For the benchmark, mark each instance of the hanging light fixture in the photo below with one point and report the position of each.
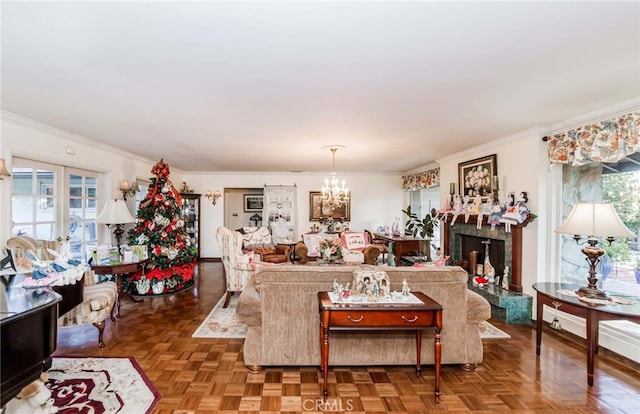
(3, 170)
(334, 193)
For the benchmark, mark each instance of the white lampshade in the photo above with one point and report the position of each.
(115, 212)
(594, 219)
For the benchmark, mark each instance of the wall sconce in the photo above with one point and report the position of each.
(128, 189)
(213, 197)
(3, 170)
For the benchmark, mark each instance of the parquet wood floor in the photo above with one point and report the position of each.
(203, 376)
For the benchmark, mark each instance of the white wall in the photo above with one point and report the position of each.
(29, 139)
(376, 199)
(520, 160)
(523, 166)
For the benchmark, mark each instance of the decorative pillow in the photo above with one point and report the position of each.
(354, 241)
(312, 241)
(352, 256)
(246, 257)
(260, 236)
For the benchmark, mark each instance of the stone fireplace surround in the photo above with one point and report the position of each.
(505, 249)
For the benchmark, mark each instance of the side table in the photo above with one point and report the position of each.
(547, 294)
(376, 316)
(120, 271)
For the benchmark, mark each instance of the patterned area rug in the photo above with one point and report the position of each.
(222, 322)
(101, 385)
(488, 331)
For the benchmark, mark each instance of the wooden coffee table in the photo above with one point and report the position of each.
(376, 317)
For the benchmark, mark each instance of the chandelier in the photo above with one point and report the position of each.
(334, 193)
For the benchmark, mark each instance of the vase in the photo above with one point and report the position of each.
(142, 285)
(157, 287)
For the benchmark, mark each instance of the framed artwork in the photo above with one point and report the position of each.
(253, 202)
(319, 210)
(476, 176)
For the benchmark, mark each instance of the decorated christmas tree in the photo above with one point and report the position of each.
(161, 228)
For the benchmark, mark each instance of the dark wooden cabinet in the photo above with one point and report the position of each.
(402, 245)
(191, 217)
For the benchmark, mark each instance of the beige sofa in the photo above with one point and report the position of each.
(280, 306)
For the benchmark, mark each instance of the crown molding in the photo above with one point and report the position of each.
(596, 116)
(60, 133)
(491, 146)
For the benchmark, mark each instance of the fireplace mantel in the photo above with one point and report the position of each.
(513, 242)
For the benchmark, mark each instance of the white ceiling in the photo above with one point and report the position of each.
(263, 86)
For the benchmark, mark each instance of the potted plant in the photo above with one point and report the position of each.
(422, 228)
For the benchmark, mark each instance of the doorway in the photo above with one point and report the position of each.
(242, 207)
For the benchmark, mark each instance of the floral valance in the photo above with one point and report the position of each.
(605, 141)
(422, 180)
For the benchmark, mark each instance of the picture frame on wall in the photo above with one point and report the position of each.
(476, 176)
(319, 210)
(253, 202)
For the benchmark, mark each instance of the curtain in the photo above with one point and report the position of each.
(421, 180)
(279, 210)
(606, 141)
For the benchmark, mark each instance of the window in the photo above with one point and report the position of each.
(82, 208)
(618, 184)
(422, 201)
(35, 199)
(40, 210)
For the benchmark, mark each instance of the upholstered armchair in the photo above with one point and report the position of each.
(241, 250)
(238, 265)
(98, 299)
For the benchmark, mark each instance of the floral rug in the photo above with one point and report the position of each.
(222, 322)
(488, 331)
(100, 385)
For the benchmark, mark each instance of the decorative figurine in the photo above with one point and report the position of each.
(476, 205)
(346, 292)
(457, 208)
(405, 287)
(391, 258)
(489, 270)
(505, 278)
(466, 208)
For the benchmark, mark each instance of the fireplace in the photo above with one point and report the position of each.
(464, 243)
(505, 249)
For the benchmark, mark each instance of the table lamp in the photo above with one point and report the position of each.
(593, 220)
(115, 213)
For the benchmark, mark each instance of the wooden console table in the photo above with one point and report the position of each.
(402, 245)
(547, 294)
(120, 271)
(373, 317)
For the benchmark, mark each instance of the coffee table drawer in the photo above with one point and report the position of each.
(381, 319)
